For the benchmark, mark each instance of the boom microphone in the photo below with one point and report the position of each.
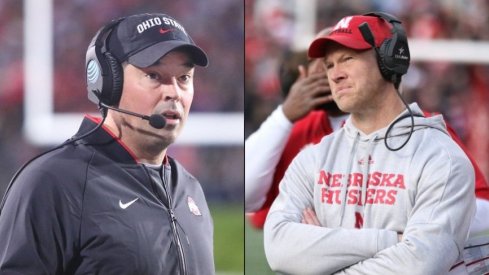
(155, 120)
(367, 34)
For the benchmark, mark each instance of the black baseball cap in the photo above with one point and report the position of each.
(143, 39)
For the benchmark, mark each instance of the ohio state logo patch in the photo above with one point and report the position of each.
(194, 209)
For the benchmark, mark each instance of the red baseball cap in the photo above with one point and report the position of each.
(347, 33)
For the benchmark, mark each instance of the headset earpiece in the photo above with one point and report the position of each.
(393, 53)
(103, 71)
(116, 75)
(381, 61)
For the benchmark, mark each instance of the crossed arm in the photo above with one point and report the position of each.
(309, 217)
(431, 242)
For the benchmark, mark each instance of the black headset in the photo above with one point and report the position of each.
(103, 70)
(393, 55)
(393, 59)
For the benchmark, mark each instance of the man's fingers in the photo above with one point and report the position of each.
(310, 217)
(305, 216)
(318, 85)
(314, 78)
(322, 100)
(304, 94)
(302, 72)
(313, 217)
(311, 89)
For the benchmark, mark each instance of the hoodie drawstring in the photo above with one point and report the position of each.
(344, 184)
(366, 169)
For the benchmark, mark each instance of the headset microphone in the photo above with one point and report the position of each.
(155, 120)
(367, 34)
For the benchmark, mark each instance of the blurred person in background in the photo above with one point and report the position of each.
(307, 114)
(403, 206)
(110, 200)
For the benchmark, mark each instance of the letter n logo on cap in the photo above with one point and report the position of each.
(343, 24)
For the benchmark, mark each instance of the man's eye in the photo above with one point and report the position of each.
(153, 76)
(185, 78)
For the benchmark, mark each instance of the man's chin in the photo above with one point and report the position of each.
(167, 133)
(160, 141)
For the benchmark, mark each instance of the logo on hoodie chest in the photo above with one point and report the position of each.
(381, 188)
(362, 161)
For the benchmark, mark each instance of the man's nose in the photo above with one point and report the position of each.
(171, 90)
(335, 73)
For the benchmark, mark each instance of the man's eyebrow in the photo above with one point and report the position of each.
(189, 64)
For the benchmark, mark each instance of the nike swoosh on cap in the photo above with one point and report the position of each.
(127, 204)
(163, 31)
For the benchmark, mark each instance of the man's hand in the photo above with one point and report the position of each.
(307, 93)
(309, 217)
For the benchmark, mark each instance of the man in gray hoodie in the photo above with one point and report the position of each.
(390, 192)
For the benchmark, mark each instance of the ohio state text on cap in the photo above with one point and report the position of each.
(143, 39)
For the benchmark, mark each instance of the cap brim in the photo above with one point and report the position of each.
(153, 53)
(317, 49)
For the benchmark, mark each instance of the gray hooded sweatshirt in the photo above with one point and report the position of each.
(364, 195)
